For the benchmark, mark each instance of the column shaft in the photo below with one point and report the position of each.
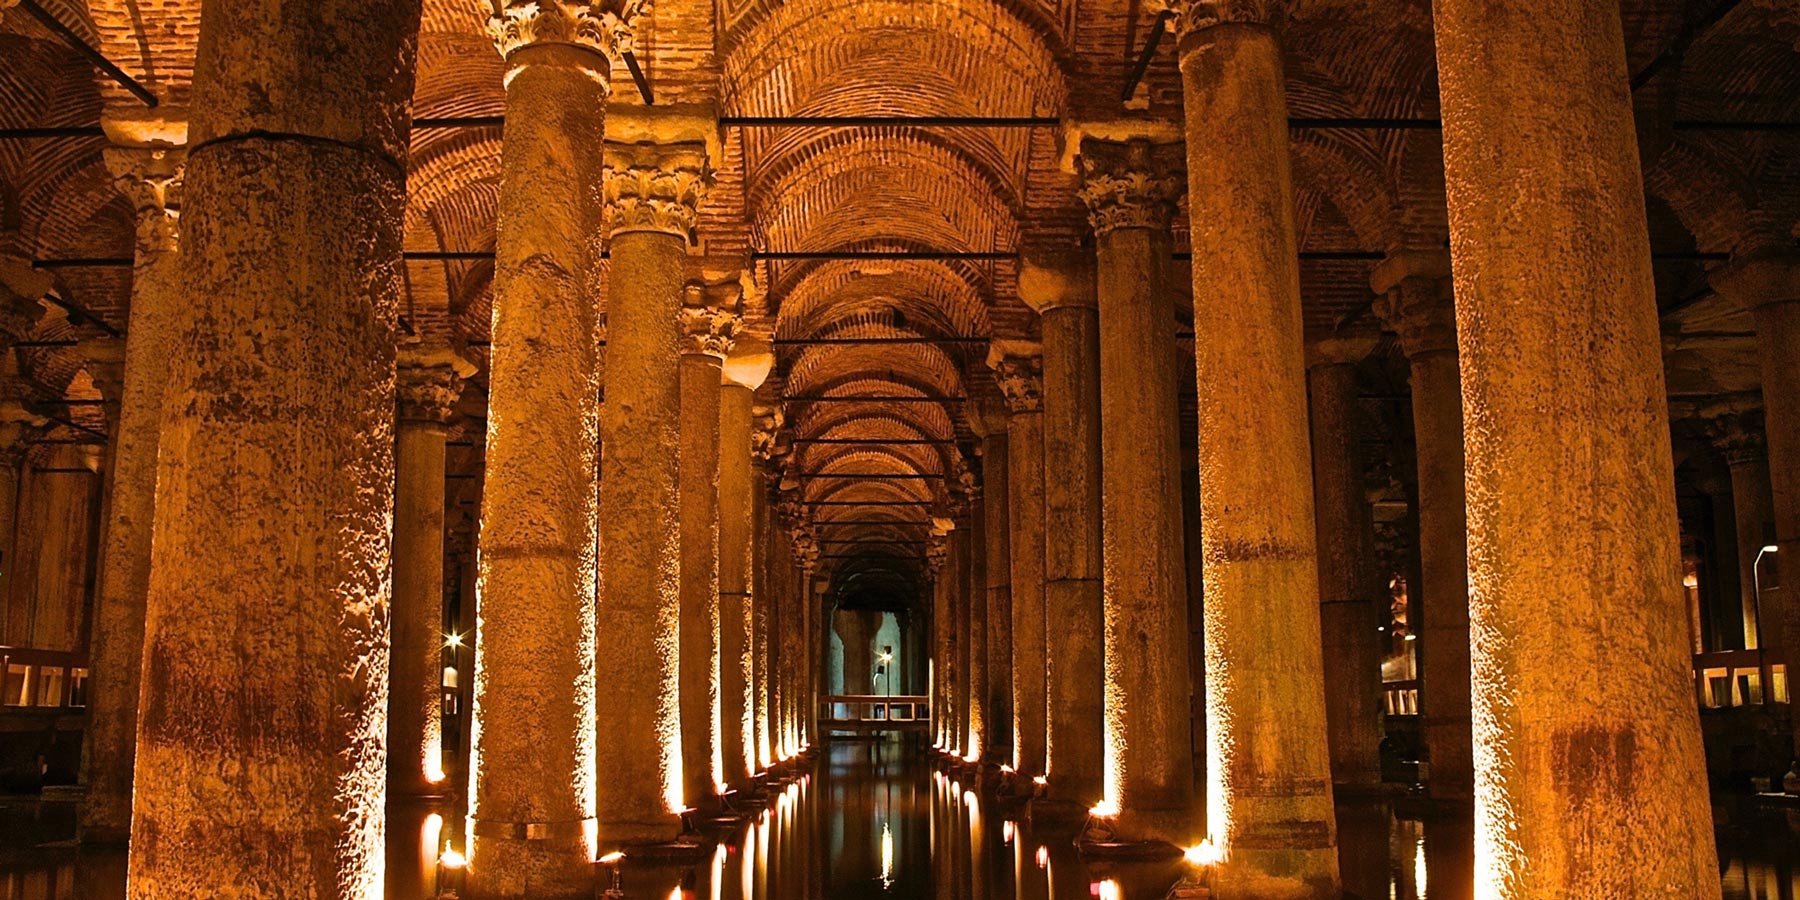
(150, 178)
(1444, 702)
(1348, 584)
(533, 748)
(1589, 776)
(1072, 565)
(1752, 508)
(996, 532)
(737, 656)
(640, 596)
(702, 762)
(1149, 772)
(1025, 484)
(981, 721)
(1269, 803)
(261, 746)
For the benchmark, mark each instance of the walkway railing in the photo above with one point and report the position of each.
(874, 712)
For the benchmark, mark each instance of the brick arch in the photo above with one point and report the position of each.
(932, 297)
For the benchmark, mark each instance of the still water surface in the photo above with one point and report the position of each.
(874, 821)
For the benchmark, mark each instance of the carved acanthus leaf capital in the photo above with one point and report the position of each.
(606, 28)
(150, 177)
(1196, 15)
(1019, 371)
(1422, 313)
(768, 444)
(428, 383)
(937, 554)
(1735, 427)
(710, 319)
(655, 187)
(1130, 184)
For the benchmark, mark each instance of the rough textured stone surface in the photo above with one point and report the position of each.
(1571, 508)
(737, 626)
(705, 340)
(1019, 371)
(151, 178)
(1269, 805)
(1349, 589)
(261, 732)
(996, 533)
(534, 744)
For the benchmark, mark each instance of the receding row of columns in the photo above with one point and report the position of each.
(1547, 428)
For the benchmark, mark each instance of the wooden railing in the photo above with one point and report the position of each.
(1731, 678)
(874, 712)
(42, 681)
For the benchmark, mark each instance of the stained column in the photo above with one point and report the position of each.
(1570, 505)
(1060, 286)
(709, 321)
(150, 177)
(1414, 300)
(533, 744)
(1018, 369)
(652, 194)
(744, 370)
(1149, 775)
(1736, 429)
(428, 382)
(261, 745)
(1349, 588)
(996, 536)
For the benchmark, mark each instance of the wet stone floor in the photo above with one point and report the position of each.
(874, 820)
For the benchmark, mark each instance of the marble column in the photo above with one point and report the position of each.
(1414, 300)
(1766, 281)
(532, 806)
(653, 194)
(709, 321)
(428, 382)
(812, 640)
(1130, 189)
(1018, 369)
(943, 673)
(1589, 775)
(996, 536)
(1060, 286)
(1736, 429)
(744, 370)
(150, 177)
(968, 684)
(1269, 807)
(261, 747)
(766, 591)
(1350, 594)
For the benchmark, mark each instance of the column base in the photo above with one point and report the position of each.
(1246, 876)
(1134, 835)
(503, 868)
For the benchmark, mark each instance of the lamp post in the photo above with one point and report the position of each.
(1756, 583)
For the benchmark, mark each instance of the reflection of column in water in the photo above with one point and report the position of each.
(978, 860)
(1402, 838)
(1449, 857)
(1363, 849)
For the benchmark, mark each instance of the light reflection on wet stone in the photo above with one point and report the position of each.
(874, 821)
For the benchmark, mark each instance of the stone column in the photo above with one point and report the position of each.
(1268, 768)
(982, 724)
(852, 628)
(261, 746)
(653, 194)
(962, 551)
(943, 673)
(744, 370)
(996, 536)
(1060, 286)
(812, 650)
(1149, 773)
(150, 177)
(1599, 791)
(1349, 586)
(16, 424)
(428, 382)
(1736, 428)
(766, 591)
(709, 321)
(1414, 300)
(1766, 281)
(532, 787)
(1018, 369)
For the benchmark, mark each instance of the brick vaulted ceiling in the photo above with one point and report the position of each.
(947, 190)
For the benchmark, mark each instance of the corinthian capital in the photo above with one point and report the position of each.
(428, 382)
(1415, 300)
(1019, 370)
(709, 319)
(603, 27)
(1735, 426)
(655, 187)
(1129, 184)
(1196, 15)
(150, 177)
(767, 444)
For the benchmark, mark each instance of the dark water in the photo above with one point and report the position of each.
(873, 821)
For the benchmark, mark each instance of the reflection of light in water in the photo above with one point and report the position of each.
(747, 875)
(718, 872)
(887, 857)
(1043, 857)
(1419, 865)
(1006, 831)
(1108, 890)
(675, 894)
